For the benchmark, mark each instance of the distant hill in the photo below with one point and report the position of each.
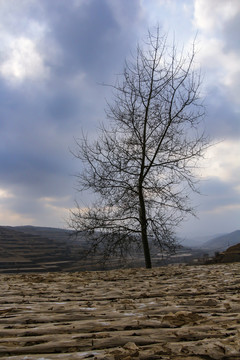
(43, 249)
(232, 254)
(28, 249)
(30, 252)
(47, 232)
(197, 241)
(222, 242)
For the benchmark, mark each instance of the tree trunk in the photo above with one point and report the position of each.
(143, 221)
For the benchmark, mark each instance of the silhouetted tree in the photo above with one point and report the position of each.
(142, 165)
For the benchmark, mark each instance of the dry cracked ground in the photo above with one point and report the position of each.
(174, 312)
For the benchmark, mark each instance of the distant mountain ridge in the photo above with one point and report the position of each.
(222, 242)
(43, 249)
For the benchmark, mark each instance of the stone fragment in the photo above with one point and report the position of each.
(131, 346)
(181, 318)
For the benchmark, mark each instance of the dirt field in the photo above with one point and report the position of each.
(173, 312)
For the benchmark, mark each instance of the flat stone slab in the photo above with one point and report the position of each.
(173, 312)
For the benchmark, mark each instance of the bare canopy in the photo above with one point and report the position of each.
(141, 167)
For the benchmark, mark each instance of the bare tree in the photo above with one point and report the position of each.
(142, 166)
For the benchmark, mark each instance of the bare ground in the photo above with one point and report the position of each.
(174, 312)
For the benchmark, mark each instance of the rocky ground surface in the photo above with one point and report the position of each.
(174, 312)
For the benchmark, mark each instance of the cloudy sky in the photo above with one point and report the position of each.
(54, 54)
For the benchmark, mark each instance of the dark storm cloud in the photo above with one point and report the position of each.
(34, 153)
(219, 194)
(217, 210)
(220, 60)
(62, 106)
(222, 116)
(89, 36)
(84, 33)
(80, 43)
(80, 46)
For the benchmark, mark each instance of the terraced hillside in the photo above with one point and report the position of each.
(230, 255)
(28, 252)
(58, 234)
(168, 313)
(41, 249)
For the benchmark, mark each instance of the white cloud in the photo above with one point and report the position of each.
(224, 209)
(221, 64)
(21, 37)
(55, 212)
(223, 161)
(5, 194)
(22, 61)
(12, 218)
(221, 67)
(211, 15)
